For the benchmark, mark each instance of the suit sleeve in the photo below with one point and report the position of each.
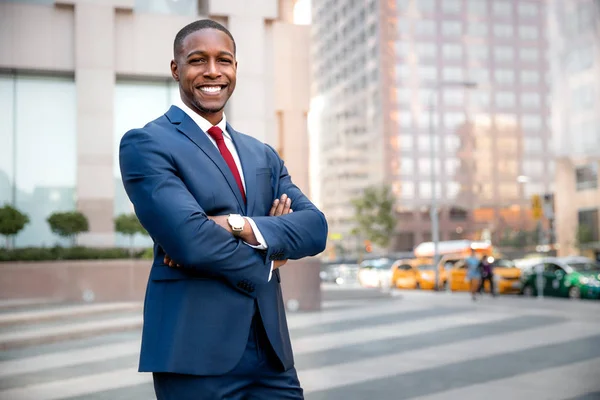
(175, 220)
(293, 236)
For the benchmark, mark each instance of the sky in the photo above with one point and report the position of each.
(302, 12)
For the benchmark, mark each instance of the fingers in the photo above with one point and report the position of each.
(168, 261)
(283, 206)
(273, 208)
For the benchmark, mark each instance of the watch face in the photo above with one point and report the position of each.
(236, 222)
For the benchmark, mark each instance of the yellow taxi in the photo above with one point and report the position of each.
(451, 252)
(507, 277)
(413, 274)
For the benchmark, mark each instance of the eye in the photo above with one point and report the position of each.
(196, 60)
(225, 61)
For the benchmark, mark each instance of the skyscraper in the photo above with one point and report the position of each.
(390, 76)
(575, 59)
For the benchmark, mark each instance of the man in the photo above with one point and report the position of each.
(487, 274)
(217, 204)
(473, 273)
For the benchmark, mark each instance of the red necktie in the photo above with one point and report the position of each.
(216, 133)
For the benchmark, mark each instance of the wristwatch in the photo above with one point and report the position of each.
(236, 222)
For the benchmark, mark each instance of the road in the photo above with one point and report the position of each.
(365, 345)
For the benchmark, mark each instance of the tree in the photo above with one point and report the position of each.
(12, 221)
(129, 225)
(374, 215)
(68, 224)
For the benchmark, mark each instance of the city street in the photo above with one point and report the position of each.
(362, 345)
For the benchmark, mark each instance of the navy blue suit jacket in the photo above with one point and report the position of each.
(197, 318)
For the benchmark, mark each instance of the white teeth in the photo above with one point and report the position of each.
(211, 89)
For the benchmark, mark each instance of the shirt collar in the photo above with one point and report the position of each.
(202, 122)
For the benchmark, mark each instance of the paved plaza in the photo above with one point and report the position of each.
(362, 345)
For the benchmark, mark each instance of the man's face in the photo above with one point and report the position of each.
(205, 68)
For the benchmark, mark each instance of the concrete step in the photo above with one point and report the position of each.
(37, 334)
(57, 312)
(9, 305)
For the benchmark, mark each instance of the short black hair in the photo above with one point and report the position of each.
(195, 27)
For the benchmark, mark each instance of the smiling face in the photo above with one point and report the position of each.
(205, 68)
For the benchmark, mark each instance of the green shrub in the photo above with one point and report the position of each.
(66, 253)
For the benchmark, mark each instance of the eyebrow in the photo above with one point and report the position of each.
(202, 53)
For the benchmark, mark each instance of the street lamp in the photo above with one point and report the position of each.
(435, 234)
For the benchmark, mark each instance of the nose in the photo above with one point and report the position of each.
(212, 69)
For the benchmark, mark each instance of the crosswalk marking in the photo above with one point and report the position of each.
(78, 386)
(68, 358)
(386, 366)
(305, 345)
(527, 386)
(334, 340)
(384, 325)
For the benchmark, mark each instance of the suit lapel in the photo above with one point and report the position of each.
(248, 166)
(189, 128)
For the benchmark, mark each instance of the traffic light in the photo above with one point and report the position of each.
(368, 246)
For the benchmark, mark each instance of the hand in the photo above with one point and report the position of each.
(168, 261)
(281, 206)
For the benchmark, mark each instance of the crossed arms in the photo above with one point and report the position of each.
(195, 240)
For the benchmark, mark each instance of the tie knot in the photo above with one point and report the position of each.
(216, 133)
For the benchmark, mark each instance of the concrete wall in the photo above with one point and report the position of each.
(73, 281)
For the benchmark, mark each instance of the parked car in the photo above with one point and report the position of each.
(573, 277)
(376, 273)
(506, 277)
(343, 273)
(413, 274)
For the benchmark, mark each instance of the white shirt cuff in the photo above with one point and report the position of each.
(270, 272)
(259, 237)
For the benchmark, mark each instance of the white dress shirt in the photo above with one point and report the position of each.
(205, 126)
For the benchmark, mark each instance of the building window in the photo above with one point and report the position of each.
(504, 76)
(502, 8)
(426, 5)
(454, 97)
(530, 77)
(44, 166)
(531, 122)
(407, 190)
(586, 176)
(528, 32)
(533, 145)
(587, 231)
(426, 51)
(179, 7)
(451, 28)
(452, 6)
(458, 214)
(407, 166)
(503, 31)
(477, 29)
(453, 74)
(533, 168)
(405, 241)
(452, 51)
(477, 7)
(505, 99)
(530, 100)
(504, 53)
(428, 74)
(425, 28)
(529, 55)
(527, 9)
(136, 103)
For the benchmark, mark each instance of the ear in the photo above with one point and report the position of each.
(174, 70)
